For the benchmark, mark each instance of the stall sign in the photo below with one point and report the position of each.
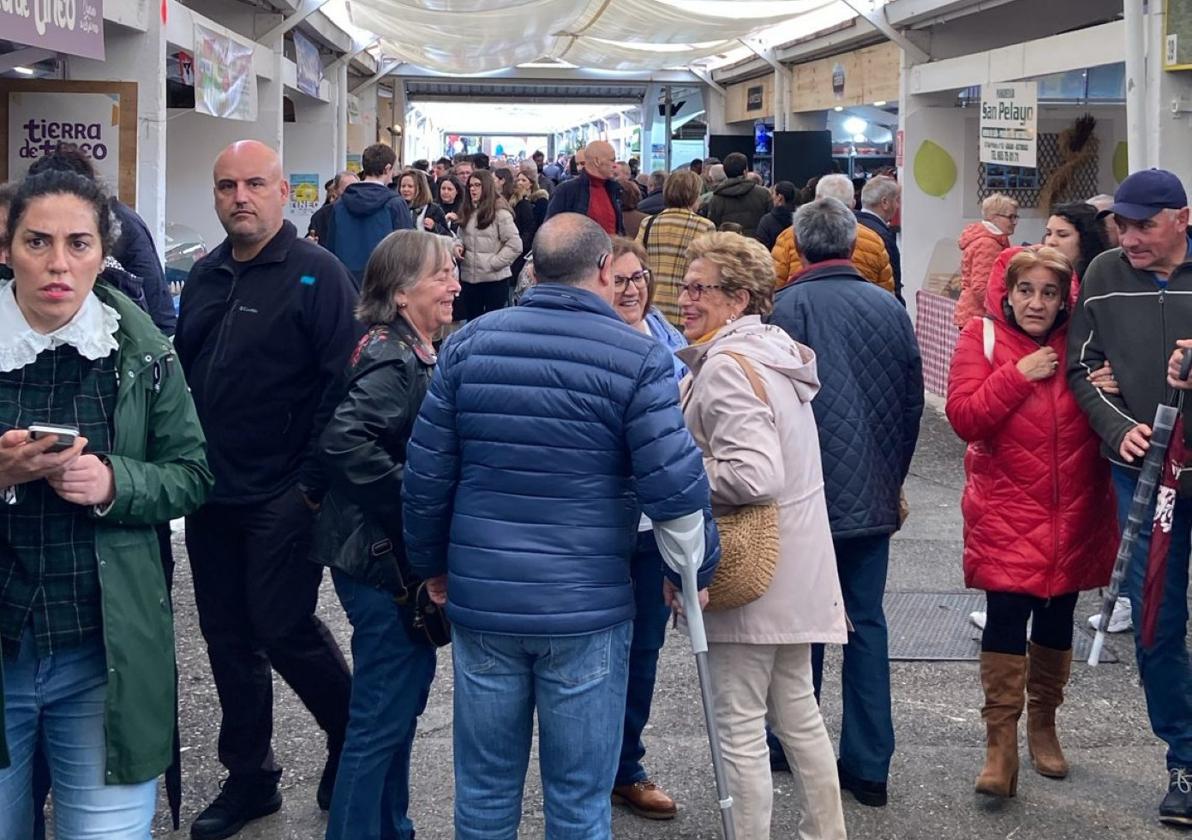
(38, 123)
(310, 68)
(74, 27)
(225, 84)
(1009, 124)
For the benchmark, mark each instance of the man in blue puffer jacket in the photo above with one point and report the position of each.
(868, 411)
(548, 430)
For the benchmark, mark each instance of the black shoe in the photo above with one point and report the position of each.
(327, 781)
(873, 794)
(1176, 807)
(239, 802)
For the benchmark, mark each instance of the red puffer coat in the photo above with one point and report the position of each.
(1039, 513)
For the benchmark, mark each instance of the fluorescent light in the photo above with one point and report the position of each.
(855, 125)
(838, 108)
(879, 103)
(25, 71)
(859, 138)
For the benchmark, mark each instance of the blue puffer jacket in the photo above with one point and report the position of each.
(548, 429)
(871, 390)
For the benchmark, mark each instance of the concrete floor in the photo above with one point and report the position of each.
(1112, 794)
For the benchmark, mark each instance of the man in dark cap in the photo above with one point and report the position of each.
(1135, 305)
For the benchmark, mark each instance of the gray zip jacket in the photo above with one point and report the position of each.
(1124, 317)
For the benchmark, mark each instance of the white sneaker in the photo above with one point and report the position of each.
(1120, 620)
(978, 618)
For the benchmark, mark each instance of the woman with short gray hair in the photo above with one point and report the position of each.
(825, 230)
(980, 245)
(410, 284)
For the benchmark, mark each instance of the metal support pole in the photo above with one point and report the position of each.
(1136, 122)
(666, 102)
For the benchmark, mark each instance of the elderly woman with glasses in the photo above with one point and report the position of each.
(633, 289)
(747, 403)
(980, 244)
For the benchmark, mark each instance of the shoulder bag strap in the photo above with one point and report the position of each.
(646, 234)
(755, 381)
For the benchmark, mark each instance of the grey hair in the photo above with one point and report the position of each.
(836, 186)
(877, 190)
(716, 174)
(398, 264)
(657, 179)
(568, 249)
(1102, 201)
(825, 229)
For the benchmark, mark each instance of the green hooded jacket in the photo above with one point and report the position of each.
(160, 467)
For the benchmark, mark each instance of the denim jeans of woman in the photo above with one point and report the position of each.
(59, 701)
(391, 678)
(649, 634)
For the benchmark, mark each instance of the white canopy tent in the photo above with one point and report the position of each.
(466, 37)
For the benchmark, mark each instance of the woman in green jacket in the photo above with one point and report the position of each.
(85, 622)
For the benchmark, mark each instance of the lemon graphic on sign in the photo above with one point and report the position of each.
(306, 193)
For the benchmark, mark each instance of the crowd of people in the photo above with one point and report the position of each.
(362, 397)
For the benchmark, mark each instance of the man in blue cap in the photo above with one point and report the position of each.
(1135, 304)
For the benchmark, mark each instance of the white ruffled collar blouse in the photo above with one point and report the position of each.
(92, 331)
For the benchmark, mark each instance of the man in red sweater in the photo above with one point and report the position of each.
(593, 193)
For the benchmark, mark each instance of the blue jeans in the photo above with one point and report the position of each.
(577, 684)
(391, 681)
(649, 633)
(59, 701)
(1166, 677)
(867, 724)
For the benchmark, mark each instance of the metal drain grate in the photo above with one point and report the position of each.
(934, 626)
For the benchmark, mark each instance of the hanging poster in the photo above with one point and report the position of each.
(353, 110)
(304, 192)
(310, 67)
(355, 164)
(1009, 124)
(225, 84)
(74, 27)
(99, 118)
(39, 122)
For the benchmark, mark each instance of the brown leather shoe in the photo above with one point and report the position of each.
(646, 799)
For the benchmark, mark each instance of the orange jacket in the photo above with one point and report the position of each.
(869, 257)
(979, 250)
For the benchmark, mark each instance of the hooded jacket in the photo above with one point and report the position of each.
(756, 453)
(1038, 505)
(773, 224)
(869, 257)
(365, 214)
(979, 249)
(549, 429)
(871, 396)
(741, 201)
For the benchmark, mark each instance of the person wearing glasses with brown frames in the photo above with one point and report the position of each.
(980, 244)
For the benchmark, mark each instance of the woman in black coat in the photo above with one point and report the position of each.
(415, 189)
(409, 286)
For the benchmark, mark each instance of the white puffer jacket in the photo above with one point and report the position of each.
(490, 251)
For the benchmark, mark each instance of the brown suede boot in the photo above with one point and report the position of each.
(1003, 677)
(1047, 675)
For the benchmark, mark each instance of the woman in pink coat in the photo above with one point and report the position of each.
(980, 244)
(758, 450)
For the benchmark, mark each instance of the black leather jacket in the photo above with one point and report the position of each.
(364, 450)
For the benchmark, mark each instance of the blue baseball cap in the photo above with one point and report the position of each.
(1145, 193)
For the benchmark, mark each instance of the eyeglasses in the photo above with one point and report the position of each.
(1011, 216)
(637, 278)
(695, 291)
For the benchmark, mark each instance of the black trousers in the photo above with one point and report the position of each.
(256, 589)
(477, 298)
(1006, 615)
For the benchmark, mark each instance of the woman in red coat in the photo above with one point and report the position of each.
(1038, 506)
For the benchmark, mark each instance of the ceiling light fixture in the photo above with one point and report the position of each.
(855, 125)
(879, 104)
(25, 71)
(838, 108)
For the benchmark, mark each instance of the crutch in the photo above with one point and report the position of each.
(681, 543)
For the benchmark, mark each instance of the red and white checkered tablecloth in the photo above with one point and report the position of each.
(937, 336)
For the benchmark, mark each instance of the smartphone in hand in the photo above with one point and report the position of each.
(66, 435)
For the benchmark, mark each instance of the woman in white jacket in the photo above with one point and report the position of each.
(490, 243)
(747, 403)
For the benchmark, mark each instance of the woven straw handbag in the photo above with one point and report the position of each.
(748, 540)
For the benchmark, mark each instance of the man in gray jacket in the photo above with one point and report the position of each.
(1135, 305)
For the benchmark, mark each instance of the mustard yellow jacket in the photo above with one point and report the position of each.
(869, 257)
